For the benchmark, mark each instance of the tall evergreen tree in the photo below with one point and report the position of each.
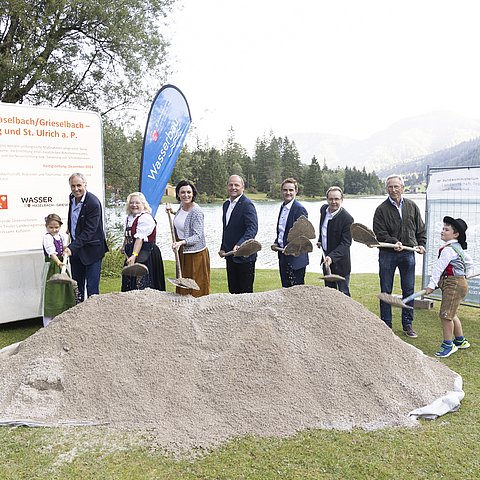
(122, 154)
(213, 174)
(261, 153)
(234, 155)
(274, 165)
(313, 184)
(291, 164)
(183, 167)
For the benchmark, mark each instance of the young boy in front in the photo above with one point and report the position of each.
(449, 274)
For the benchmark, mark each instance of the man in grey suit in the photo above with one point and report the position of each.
(240, 223)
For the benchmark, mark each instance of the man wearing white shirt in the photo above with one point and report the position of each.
(335, 238)
(240, 223)
(292, 269)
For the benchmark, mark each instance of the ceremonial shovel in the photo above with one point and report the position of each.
(179, 281)
(63, 277)
(135, 270)
(329, 277)
(298, 238)
(247, 248)
(301, 228)
(397, 301)
(362, 234)
(295, 247)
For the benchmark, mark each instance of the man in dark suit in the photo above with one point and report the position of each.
(240, 223)
(292, 269)
(336, 237)
(88, 244)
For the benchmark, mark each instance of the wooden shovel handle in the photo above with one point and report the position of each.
(175, 251)
(392, 245)
(327, 267)
(413, 296)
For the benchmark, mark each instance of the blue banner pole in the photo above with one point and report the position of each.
(167, 126)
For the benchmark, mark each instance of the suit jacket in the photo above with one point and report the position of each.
(339, 239)
(243, 225)
(296, 210)
(89, 243)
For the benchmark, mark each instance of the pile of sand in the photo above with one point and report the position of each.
(197, 372)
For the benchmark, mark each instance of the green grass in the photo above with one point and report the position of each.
(446, 448)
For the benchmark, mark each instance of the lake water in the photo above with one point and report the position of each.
(364, 259)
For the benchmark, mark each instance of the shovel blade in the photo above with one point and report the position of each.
(301, 228)
(298, 246)
(60, 278)
(332, 278)
(135, 270)
(393, 300)
(247, 248)
(188, 283)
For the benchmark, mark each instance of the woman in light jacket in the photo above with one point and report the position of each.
(190, 240)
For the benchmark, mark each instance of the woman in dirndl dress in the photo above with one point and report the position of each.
(140, 246)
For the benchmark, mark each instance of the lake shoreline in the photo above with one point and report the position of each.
(364, 259)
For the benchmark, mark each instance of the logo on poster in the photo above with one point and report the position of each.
(37, 201)
(3, 202)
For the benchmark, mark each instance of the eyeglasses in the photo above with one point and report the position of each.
(394, 187)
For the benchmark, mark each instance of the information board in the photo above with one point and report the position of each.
(39, 149)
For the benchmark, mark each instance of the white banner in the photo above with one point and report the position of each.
(39, 149)
(454, 184)
(455, 193)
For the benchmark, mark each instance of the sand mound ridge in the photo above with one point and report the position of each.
(200, 371)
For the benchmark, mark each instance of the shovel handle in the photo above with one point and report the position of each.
(392, 245)
(413, 296)
(327, 267)
(177, 256)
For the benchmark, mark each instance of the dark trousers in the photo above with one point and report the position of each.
(388, 261)
(240, 276)
(86, 274)
(288, 276)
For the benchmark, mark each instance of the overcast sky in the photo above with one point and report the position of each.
(347, 67)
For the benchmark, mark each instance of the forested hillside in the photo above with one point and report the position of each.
(463, 154)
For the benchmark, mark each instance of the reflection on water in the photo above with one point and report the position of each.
(364, 259)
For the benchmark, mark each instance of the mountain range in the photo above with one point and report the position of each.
(405, 143)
